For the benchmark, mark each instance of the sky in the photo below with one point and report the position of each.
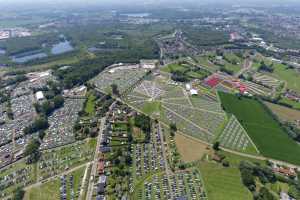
(37, 3)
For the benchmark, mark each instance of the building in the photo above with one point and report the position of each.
(148, 64)
(193, 92)
(39, 96)
(188, 87)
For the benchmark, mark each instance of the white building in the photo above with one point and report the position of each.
(39, 95)
(193, 92)
(187, 87)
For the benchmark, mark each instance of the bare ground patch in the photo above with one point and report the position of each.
(189, 149)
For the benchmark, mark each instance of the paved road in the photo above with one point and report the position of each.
(94, 163)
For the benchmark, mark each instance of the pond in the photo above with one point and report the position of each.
(61, 47)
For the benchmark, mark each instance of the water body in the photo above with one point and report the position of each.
(61, 47)
(23, 59)
(2, 51)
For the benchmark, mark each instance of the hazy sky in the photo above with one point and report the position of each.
(19, 3)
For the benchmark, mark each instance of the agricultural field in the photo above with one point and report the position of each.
(196, 116)
(235, 137)
(268, 137)
(257, 89)
(267, 81)
(284, 113)
(124, 77)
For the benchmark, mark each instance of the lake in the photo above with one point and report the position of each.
(61, 47)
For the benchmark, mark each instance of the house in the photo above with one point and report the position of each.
(101, 167)
(39, 96)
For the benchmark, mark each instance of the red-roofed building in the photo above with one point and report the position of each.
(101, 167)
(212, 81)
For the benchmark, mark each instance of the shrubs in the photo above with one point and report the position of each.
(144, 123)
(40, 123)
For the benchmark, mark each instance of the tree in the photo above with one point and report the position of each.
(216, 146)
(265, 194)
(58, 101)
(115, 90)
(32, 151)
(18, 194)
(173, 127)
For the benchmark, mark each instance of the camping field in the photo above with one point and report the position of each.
(196, 116)
(266, 133)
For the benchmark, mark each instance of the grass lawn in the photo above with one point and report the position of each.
(151, 107)
(265, 132)
(90, 104)
(47, 191)
(223, 183)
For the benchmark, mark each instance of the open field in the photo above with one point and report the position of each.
(284, 113)
(290, 76)
(196, 116)
(90, 105)
(269, 136)
(223, 183)
(47, 191)
(189, 149)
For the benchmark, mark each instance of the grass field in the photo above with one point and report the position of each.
(51, 190)
(223, 183)
(47, 191)
(290, 76)
(265, 132)
(90, 104)
(189, 149)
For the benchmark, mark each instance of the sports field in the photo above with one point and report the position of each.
(264, 131)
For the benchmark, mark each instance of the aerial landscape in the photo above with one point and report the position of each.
(149, 100)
